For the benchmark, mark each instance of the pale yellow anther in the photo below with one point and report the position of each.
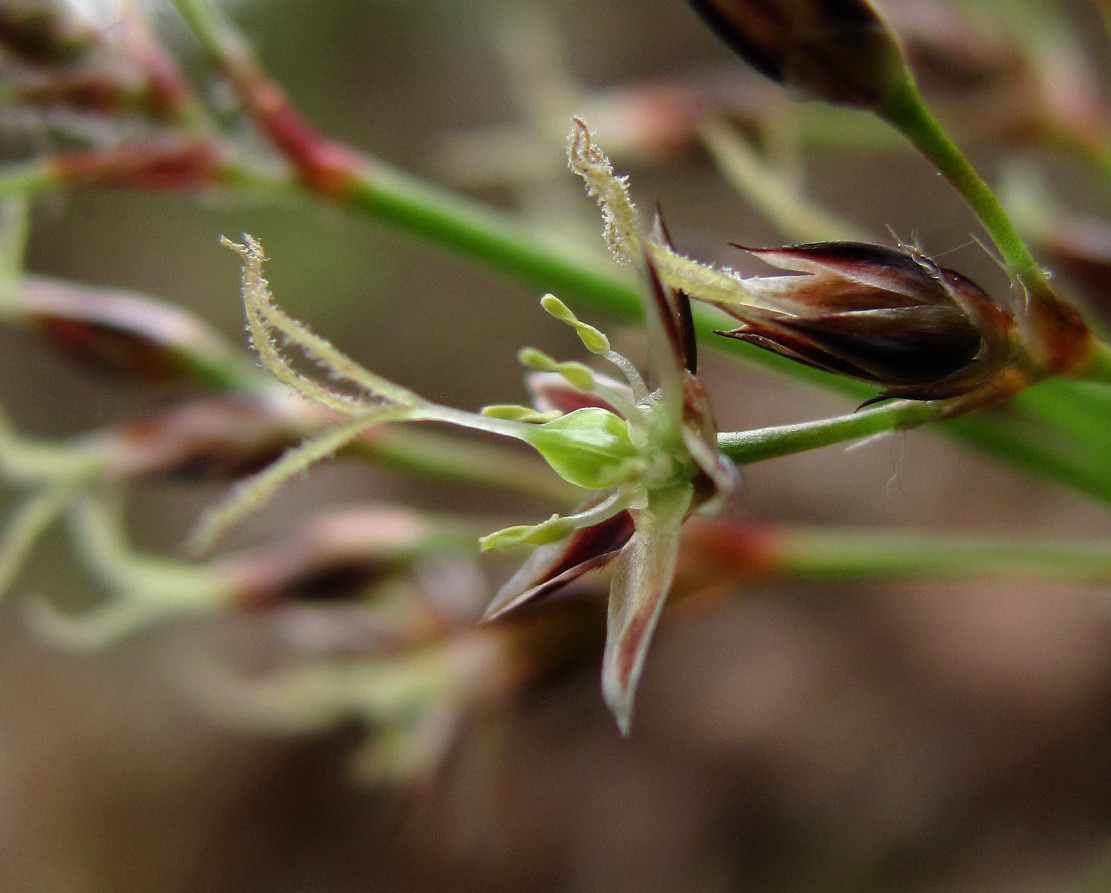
(576, 373)
(593, 339)
(517, 413)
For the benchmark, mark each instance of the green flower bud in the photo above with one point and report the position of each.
(588, 447)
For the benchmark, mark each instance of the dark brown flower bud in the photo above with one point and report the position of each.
(335, 555)
(218, 437)
(839, 51)
(126, 333)
(883, 315)
(44, 31)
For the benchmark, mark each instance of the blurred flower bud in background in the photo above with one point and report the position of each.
(840, 51)
(124, 333)
(44, 32)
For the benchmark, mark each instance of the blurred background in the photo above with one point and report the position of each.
(910, 736)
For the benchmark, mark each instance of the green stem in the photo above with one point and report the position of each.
(1070, 418)
(99, 536)
(464, 461)
(470, 229)
(814, 553)
(412, 205)
(26, 179)
(26, 524)
(214, 33)
(26, 462)
(908, 112)
(745, 447)
(1007, 436)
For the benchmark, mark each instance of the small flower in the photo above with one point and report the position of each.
(840, 51)
(648, 454)
(636, 524)
(883, 315)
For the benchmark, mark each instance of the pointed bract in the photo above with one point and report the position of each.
(641, 580)
(554, 565)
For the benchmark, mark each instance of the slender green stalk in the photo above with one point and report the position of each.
(26, 524)
(26, 179)
(464, 461)
(909, 113)
(744, 447)
(26, 462)
(831, 553)
(99, 535)
(212, 30)
(1075, 420)
(488, 237)
(1038, 449)
(542, 259)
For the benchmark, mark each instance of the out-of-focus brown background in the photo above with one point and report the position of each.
(913, 736)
